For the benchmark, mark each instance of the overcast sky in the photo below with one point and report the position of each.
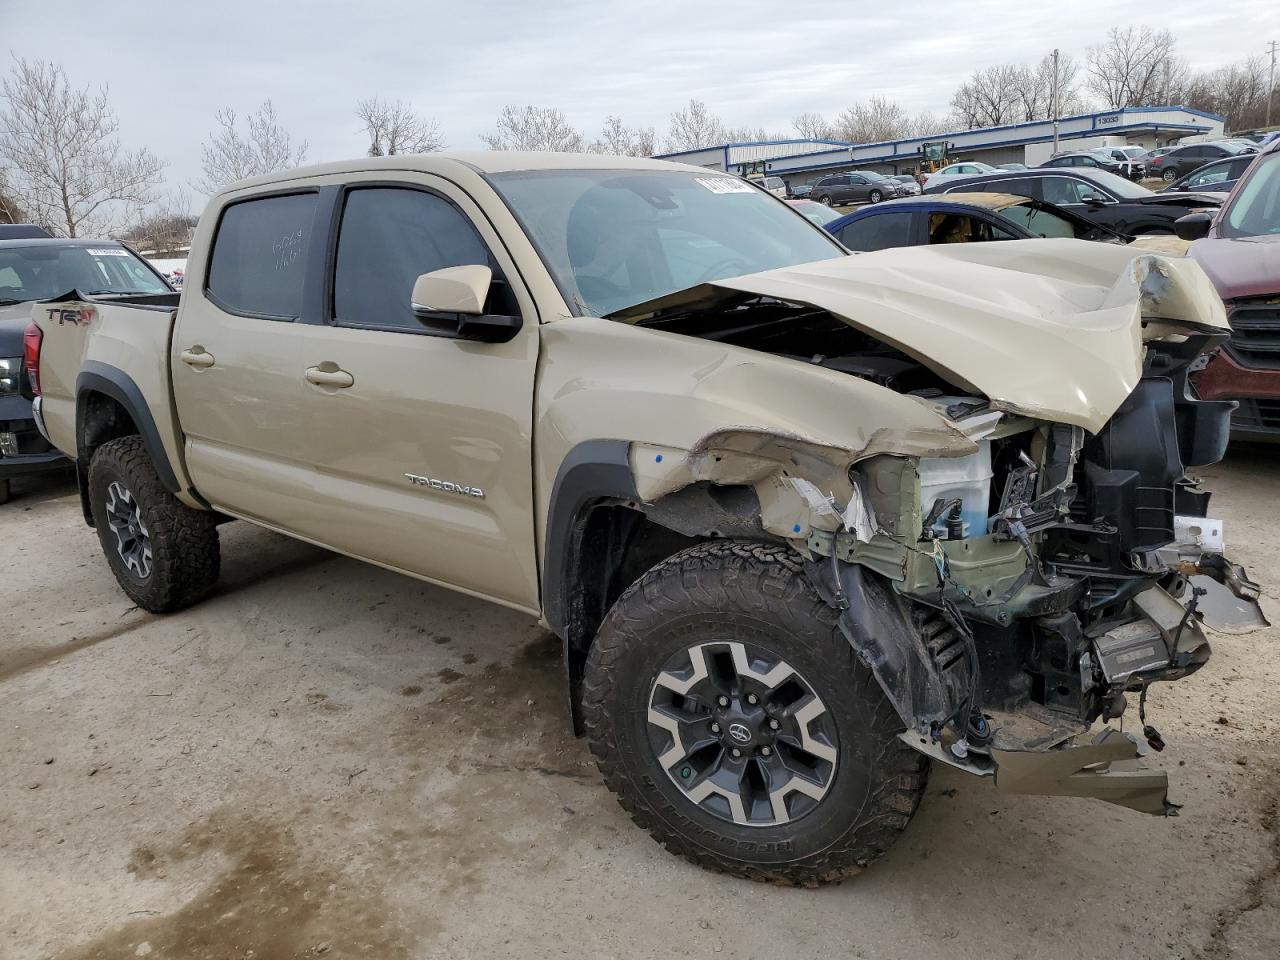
(170, 66)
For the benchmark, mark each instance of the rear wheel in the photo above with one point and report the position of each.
(738, 727)
(164, 554)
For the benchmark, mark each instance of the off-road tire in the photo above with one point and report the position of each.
(704, 593)
(184, 542)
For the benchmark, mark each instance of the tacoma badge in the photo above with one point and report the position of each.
(446, 486)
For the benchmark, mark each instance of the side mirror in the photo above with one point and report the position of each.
(1194, 226)
(450, 303)
(1093, 200)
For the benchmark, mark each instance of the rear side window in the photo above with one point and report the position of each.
(390, 236)
(880, 232)
(259, 257)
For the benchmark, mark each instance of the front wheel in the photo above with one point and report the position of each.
(875, 196)
(825, 199)
(164, 554)
(738, 727)
(4, 491)
(1169, 176)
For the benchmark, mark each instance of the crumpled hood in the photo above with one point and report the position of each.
(1048, 328)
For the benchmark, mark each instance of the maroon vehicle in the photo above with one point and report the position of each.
(1239, 248)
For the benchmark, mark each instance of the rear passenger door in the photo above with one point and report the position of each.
(375, 436)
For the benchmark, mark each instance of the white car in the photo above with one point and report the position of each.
(775, 185)
(966, 168)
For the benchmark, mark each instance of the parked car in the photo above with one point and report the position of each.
(1102, 197)
(964, 168)
(23, 231)
(801, 191)
(856, 186)
(1239, 248)
(961, 218)
(1179, 161)
(1014, 166)
(775, 185)
(1098, 160)
(803, 520)
(35, 269)
(908, 185)
(818, 213)
(1216, 176)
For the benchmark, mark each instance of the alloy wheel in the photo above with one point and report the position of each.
(742, 734)
(124, 518)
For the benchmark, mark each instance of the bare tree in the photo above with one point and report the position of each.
(534, 128)
(1237, 91)
(813, 126)
(927, 123)
(1135, 67)
(695, 127)
(872, 121)
(621, 140)
(393, 127)
(61, 155)
(230, 155)
(11, 211)
(989, 98)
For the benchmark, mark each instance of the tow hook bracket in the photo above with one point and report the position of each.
(1108, 769)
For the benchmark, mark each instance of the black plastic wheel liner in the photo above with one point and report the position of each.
(879, 626)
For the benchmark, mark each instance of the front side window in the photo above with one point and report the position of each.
(50, 270)
(260, 256)
(1217, 175)
(964, 228)
(615, 238)
(388, 238)
(879, 232)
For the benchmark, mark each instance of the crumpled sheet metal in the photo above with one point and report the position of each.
(1107, 769)
(1049, 328)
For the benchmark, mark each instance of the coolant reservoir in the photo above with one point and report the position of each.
(967, 479)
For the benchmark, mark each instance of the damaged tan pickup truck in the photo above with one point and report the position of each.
(805, 521)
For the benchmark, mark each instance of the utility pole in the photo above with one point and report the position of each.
(1271, 81)
(1053, 95)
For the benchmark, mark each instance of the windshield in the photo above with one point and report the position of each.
(615, 238)
(819, 213)
(1117, 185)
(1041, 222)
(1132, 152)
(1255, 211)
(49, 270)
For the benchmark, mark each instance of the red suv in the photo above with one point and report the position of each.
(1239, 248)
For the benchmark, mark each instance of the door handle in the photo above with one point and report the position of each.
(196, 356)
(329, 378)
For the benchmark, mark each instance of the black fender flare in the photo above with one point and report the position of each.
(592, 470)
(98, 377)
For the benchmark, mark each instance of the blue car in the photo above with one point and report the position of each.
(962, 218)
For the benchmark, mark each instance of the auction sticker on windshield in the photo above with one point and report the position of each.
(725, 185)
(109, 252)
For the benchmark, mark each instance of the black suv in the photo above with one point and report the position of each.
(1096, 195)
(1180, 161)
(1099, 160)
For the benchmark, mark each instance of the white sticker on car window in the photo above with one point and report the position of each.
(725, 185)
(109, 252)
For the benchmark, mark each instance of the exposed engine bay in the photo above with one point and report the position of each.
(1010, 598)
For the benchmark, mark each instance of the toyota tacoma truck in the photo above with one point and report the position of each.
(805, 521)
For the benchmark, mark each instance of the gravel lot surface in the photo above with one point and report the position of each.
(327, 759)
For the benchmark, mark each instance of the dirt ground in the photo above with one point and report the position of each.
(326, 759)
